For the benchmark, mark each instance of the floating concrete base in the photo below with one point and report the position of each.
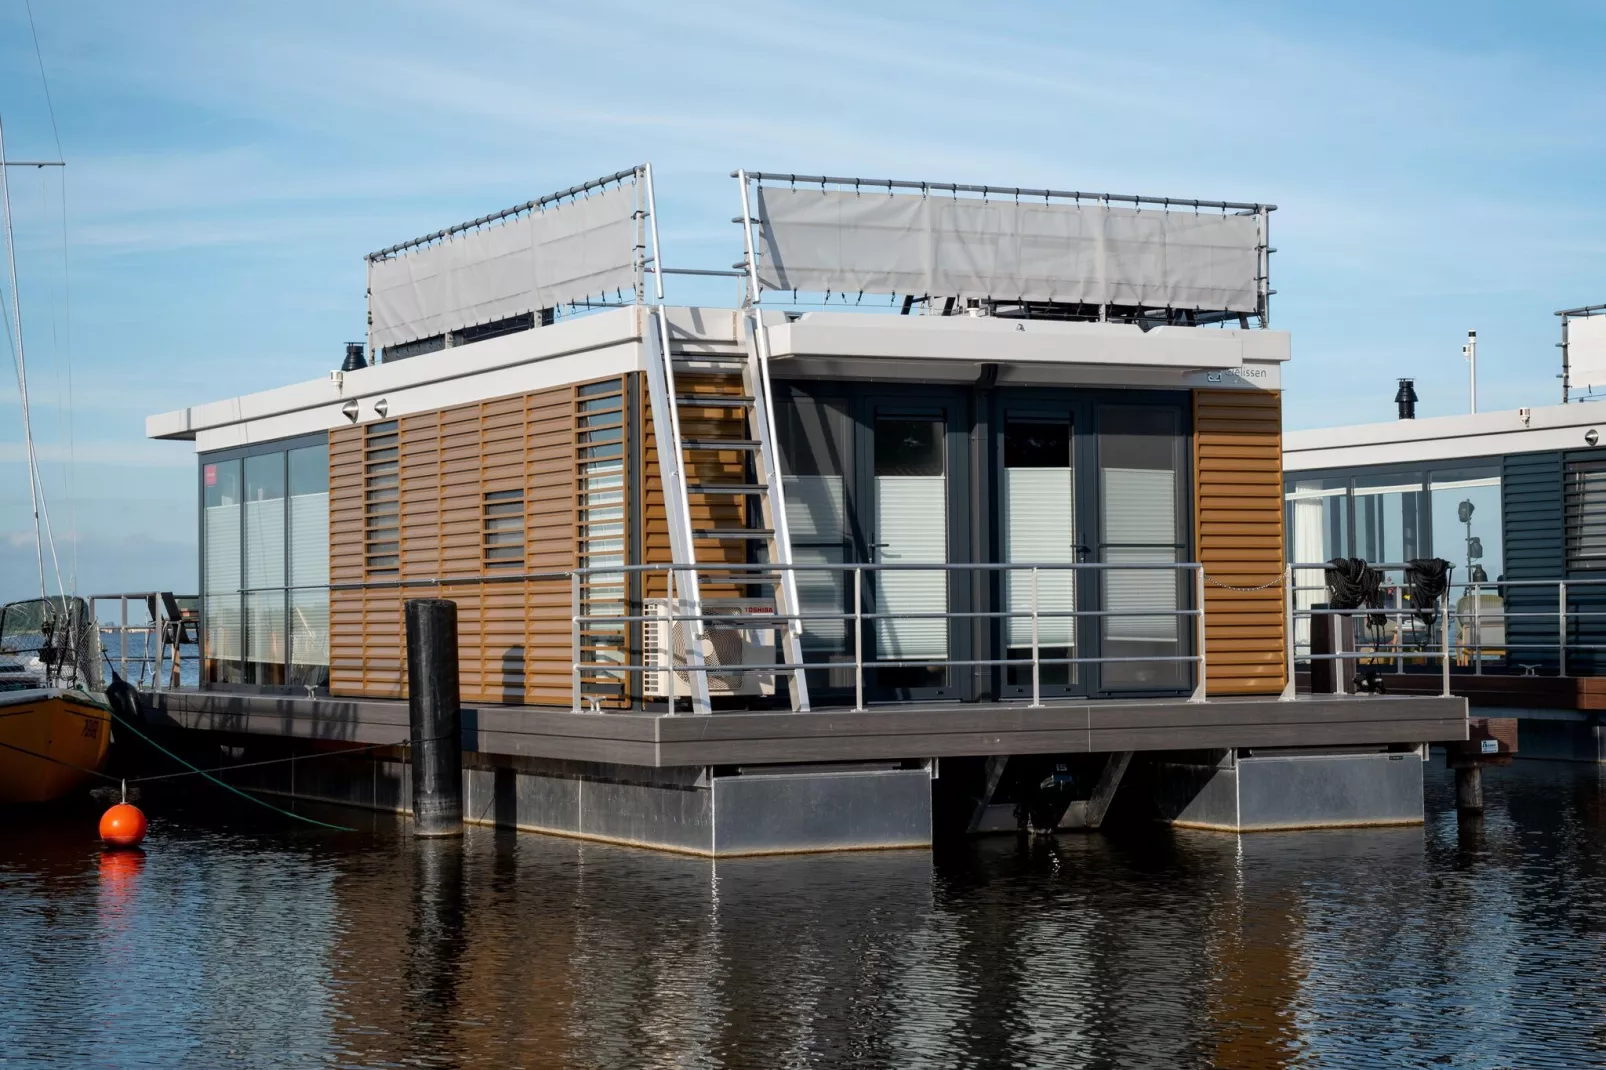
(1231, 791)
(743, 811)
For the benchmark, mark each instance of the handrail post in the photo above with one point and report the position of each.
(1199, 633)
(669, 638)
(1561, 626)
(1288, 636)
(122, 635)
(1037, 689)
(574, 635)
(1444, 617)
(1477, 631)
(858, 638)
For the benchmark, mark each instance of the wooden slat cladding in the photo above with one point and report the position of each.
(458, 471)
(707, 511)
(1238, 529)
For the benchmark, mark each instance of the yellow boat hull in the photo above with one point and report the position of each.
(48, 739)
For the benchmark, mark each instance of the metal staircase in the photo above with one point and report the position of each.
(727, 400)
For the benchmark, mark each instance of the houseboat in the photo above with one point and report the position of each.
(1515, 501)
(972, 486)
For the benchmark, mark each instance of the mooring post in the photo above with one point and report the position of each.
(437, 717)
(1469, 789)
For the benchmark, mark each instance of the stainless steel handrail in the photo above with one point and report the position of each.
(742, 573)
(1463, 630)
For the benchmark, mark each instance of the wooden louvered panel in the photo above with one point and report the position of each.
(1238, 529)
(514, 638)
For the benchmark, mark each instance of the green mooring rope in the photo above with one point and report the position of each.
(225, 784)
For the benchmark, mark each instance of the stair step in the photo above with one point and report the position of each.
(727, 488)
(732, 533)
(719, 444)
(713, 401)
(710, 363)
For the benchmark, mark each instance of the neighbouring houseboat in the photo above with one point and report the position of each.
(55, 725)
(1516, 501)
(970, 485)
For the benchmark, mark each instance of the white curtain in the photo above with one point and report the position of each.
(1310, 544)
(912, 520)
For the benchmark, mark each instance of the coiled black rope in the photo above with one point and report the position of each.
(1426, 580)
(1353, 584)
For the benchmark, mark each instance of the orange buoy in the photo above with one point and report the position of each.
(122, 826)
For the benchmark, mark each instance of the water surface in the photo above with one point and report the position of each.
(237, 940)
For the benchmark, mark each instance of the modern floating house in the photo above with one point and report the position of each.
(975, 490)
(1516, 501)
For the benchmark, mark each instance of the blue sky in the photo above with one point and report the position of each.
(1437, 167)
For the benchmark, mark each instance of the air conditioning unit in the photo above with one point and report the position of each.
(721, 642)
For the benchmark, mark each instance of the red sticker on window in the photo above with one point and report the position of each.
(211, 475)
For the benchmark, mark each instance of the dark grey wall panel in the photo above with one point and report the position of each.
(1531, 492)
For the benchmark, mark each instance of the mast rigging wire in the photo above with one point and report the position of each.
(19, 358)
(66, 299)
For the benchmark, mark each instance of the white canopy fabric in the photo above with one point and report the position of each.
(568, 252)
(847, 242)
(1586, 352)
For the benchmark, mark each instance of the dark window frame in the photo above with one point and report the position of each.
(283, 447)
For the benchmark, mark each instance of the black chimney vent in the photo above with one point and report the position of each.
(353, 357)
(1405, 398)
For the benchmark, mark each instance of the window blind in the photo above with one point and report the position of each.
(912, 523)
(1140, 527)
(1040, 528)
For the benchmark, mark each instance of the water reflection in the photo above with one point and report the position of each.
(234, 940)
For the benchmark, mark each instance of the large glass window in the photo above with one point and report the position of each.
(264, 569)
(1318, 531)
(265, 558)
(1388, 511)
(1139, 525)
(309, 566)
(812, 437)
(1465, 522)
(1040, 529)
(911, 528)
(220, 563)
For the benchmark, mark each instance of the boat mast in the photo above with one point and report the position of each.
(22, 374)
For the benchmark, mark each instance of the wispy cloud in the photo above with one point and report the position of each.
(231, 163)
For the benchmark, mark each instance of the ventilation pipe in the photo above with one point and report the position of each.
(354, 359)
(1405, 398)
(1470, 351)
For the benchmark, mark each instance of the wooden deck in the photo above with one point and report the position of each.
(1502, 692)
(658, 740)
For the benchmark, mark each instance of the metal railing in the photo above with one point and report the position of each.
(1359, 650)
(1463, 635)
(769, 574)
(152, 629)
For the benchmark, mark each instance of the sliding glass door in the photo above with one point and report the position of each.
(1141, 508)
(911, 474)
(1040, 525)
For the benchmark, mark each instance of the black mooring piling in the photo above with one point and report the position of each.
(437, 717)
(1469, 789)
